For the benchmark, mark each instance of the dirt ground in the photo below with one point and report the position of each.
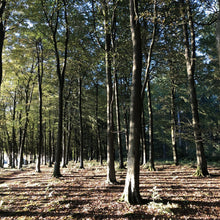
(170, 193)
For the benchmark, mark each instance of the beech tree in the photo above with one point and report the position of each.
(218, 33)
(58, 14)
(131, 192)
(40, 71)
(2, 33)
(28, 90)
(190, 57)
(147, 84)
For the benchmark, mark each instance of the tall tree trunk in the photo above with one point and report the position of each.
(39, 49)
(45, 145)
(58, 152)
(117, 110)
(50, 146)
(218, 34)
(60, 71)
(2, 34)
(131, 192)
(118, 123)
(189, 44)
(28, 99)
(14, 142)
(144, 139)
(147, 84)
(126, 128)
(151, 129)
(97, 123)
(179, 129)
(173, 124)
(69, 134)
(64, 149)
(80, 123)
(111, 178)
(64, 144)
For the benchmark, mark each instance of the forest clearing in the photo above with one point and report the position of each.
(171, 192)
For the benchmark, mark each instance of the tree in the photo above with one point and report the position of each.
(54, 21)
(111, 178)
(190, 57)
(80, 123)
(2, 33)
(218, 33)
(40, 71)
(131, 192)
(117, 104)
(173, 121)
(23, 132)
(147, 83)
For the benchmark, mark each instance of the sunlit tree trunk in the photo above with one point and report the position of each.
(14, 142)
(173, 125)
(151, 129)
(118, 123)
(117, 110)
(69, 134)
(45, 144)
(64, 150)
(80, 123)
(50, 146)
(131, 192)
(126, 128)
(28, 98)
(144, 139)
(111, 178)
(39, 49)
(98, 137)
(189, 44)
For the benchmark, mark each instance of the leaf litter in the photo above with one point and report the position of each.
(170, 193)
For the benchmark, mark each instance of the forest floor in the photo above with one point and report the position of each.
(172, 193)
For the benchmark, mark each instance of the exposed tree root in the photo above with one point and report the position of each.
(151, 168)
(132, 199)
(201, 173)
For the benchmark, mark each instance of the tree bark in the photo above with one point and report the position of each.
(151, 129)
(173, 124)
(144, 139)
(189, 44)
(218, 34)
(39, 49)
(131, 192)
(80, 123)
(118, 123)
(147, 84)
(64, 150)
(69, 151)
(60, 70)
(98, 137)
(28, 99)
(14, 142)
(50, 146)
(111, 178)
(117, 110)
(2, 34)
(126, 128)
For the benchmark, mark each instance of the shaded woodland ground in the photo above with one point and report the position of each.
(170, 192)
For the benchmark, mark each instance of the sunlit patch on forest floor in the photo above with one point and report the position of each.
(170, 193)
